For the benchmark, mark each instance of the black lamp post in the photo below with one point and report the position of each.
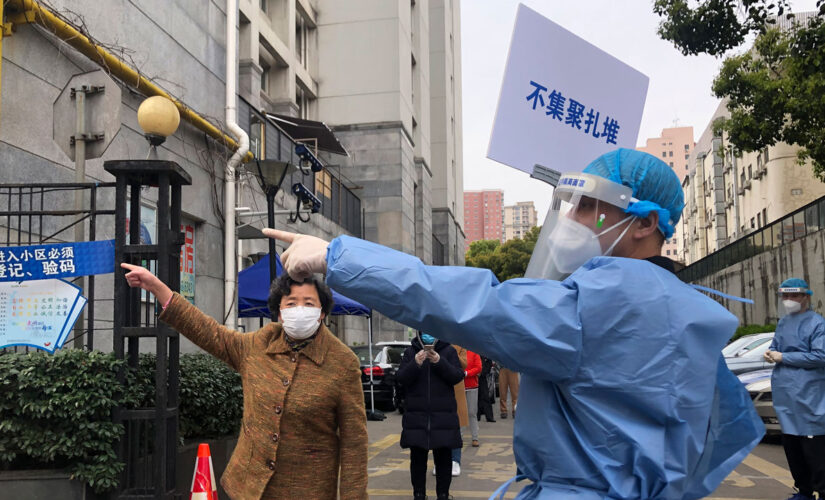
(271, 174)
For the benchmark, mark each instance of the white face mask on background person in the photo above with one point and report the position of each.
(574, 243)
(301, 322)
(791, 306)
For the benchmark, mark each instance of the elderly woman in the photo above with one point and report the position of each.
(303, 415)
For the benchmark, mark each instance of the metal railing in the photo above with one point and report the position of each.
(798, 224)
(34, 214)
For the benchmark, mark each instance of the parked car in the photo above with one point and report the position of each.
(745, 354)
(758, 385)
(386, 359)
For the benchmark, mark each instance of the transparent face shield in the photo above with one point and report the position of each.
(582, 223)
(792, 300)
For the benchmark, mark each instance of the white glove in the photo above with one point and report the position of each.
(306, 255)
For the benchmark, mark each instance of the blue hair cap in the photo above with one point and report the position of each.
(654, 184)
(796, 283)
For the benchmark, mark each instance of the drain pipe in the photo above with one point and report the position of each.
(230, 277)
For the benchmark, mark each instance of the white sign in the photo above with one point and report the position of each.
(563, 101)
(38, 313)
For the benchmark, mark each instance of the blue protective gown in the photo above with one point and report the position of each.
(624, 392)
(798, 382)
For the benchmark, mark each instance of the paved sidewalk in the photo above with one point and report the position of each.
(763, 474)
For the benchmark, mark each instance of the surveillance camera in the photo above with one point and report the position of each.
(308, 160)
(306, 197)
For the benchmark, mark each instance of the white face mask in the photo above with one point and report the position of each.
(791, 306)
(301, 322)
(574, 243)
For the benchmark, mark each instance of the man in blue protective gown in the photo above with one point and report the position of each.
(798, 385)
(624, 392)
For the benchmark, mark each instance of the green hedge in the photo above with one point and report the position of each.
(55, 410)
(211, 397)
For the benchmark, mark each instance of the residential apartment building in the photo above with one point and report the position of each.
(674, 147)
(385, 76)
(483, 215)
(519, 219)
(727, 196)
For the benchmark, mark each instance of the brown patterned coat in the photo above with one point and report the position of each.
(303, 412)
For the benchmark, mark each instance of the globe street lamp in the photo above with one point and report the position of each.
(159, 118)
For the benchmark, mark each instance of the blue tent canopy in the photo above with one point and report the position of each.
(253, 291)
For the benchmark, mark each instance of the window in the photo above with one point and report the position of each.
(671, 164)
(263, 5)
(687, 156)
(765, 215)
(671, 154)
(664, 154)
(750, 171)
(264, 77)
(668, 252)
(301, 37)
(256, 139)
(302, 101)
(753, 223)
(759, 220)
(687, 147)
(796, 192)
(765, 154)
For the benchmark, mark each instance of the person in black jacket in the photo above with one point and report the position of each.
(428, 373)
(486, 390)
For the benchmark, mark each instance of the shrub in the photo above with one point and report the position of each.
(56, 410)
(750, 329)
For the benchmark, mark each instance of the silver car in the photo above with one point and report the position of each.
(746, 354)
(758, 385)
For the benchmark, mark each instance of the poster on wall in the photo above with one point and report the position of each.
(187, 263)
(38, 313)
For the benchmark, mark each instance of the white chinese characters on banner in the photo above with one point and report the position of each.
(54, 261)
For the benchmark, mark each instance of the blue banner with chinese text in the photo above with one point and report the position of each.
(60, 260)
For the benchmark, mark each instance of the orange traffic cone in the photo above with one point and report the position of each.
(204, 486)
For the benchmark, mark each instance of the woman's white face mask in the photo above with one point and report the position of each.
(574, 243)
(301, 322)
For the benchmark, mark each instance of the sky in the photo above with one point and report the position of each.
(679, 85)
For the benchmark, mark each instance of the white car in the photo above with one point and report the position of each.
(758, 385)
(745, 354)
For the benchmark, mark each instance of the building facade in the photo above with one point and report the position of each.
(519, 219)
(483, 215)
(674, 147)
(385, 76)
(727, 195)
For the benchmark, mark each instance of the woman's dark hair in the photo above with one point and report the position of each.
(282, 286)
